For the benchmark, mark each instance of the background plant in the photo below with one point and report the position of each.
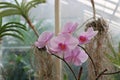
(11, 29)
(23, 8)
(114, 58)
(27, 57)
(18, 66)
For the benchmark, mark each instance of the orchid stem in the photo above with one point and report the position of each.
(111, 73)
(100, 74)
(103, 73)
(67, 65)
(80, 73)
(90, 59)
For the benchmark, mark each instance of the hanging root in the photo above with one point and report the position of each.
(97, 49)
(45, 67)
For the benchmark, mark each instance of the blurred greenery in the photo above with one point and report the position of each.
(114, 58)
(67, 75)
(18, 66)
(29, 36)
(22, 63)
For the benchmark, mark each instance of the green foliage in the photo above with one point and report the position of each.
(12, 29)
(23, 8)
(65, 77)
(114, 57)
(18, 67)
(29, 36)
(0, 22)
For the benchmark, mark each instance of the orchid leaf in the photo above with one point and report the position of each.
(18, 8)
(4, 5)
(9, 12)
(33, 3)
(14, 24)
(12, 29)
(13, 35)
(0, 22)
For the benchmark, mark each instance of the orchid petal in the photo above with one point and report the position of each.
(76, 56)
(69, 27)
(85, 37)
(43, 39)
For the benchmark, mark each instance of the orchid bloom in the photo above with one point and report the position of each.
(62, 43)
(43, 39)
(69, 27)
(76, 56)
(85, 37)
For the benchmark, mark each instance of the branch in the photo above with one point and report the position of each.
(100, 74)
(90, 59)
(67, 65)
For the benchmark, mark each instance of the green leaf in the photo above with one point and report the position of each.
(13, 31)
(6, 7)
(111, 58)
(18, 58)
(0, 22)
(5, 4)
(112, 49)
(33, 3)
(114, 60)
(119, 47)
(65, 77)
(14, 24)
(8, 28)
(13, 35)
(118, 66)
(9, 12)
(17, 2)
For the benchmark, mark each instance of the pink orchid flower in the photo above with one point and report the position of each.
(62, 43)
(43, 39)
(85, 37)
(76, 56)
(69, 27)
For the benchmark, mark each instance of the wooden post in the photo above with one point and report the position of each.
(57, 28)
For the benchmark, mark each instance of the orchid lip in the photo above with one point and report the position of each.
(62, 46)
